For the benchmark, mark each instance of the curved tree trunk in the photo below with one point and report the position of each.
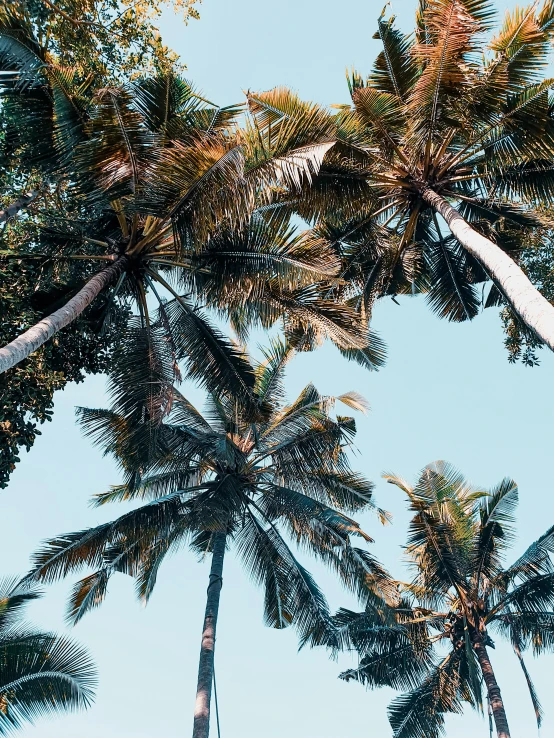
(493, 690)
(527, 301)
(206, 665)
(34, 337)
(15, 206)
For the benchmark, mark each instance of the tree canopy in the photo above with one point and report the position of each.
(441, 178)
(433, 642)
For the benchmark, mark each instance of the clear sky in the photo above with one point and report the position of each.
(447, 392)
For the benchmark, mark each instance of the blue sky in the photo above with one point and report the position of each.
(447, 392)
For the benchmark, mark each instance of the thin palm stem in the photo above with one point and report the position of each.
(201, 727)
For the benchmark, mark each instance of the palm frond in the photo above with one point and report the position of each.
(391, 656)
(420, 713)
(14, 596)
(535, 560)
(496, 528)
(291, 594)
(530, 686)
(41, 675)
(394, 69)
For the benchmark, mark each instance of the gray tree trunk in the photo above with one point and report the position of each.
(527, 301)
(206, 665)
(15, 206)
(493, 690)
(34, 337)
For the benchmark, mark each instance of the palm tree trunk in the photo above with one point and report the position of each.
(206, 665)
(527, 301)
(493, 690)
(15, 206)
(34, 337)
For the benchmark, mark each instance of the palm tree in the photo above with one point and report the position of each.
(40, 673)
(236, 477)
(444, 161)
(435, 641)
(165, 190)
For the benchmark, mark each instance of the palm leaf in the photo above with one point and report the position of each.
(41, 675)
(420, 713)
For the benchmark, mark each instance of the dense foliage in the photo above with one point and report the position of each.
(26, 393)
(153, 177)
(99, 43)
(106, 37)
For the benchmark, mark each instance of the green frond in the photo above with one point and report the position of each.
(442, 531)
(523, 43)
(71, 101)
(391, 656)
(452, 292)
(200, 184)
(533, 595)
(42, 674)
(394, 70)
(291, 595)
(87, 594)
(496, 530)
(14, 597)
(420, 713)
(64, 554)
(19, 49)
(535, 560)
(526, 628)
(372, 357)
(269, 374)
(382, 113)
(117, 150)
(531, 687)
(211, 359)
(153, 558)
(170, 105)
(444, 58)
(285, 140)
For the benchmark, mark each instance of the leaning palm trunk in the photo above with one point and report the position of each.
(206, 666)
(34, 337)
(493, 690)
(526, 300)
(17, 205)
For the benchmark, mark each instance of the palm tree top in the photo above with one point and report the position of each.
(462, 593)
(260, 474)
(448, 115)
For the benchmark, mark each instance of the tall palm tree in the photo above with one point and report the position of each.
(236, 477)
(40, 673)
(444, 160)
(435, 641)
(165, 189)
